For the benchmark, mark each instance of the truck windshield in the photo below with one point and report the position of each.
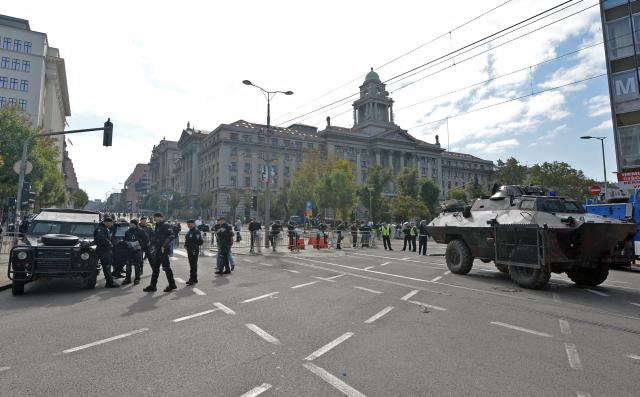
(561, 206)
(39, 228)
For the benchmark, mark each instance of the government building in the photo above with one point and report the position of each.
(234, 156)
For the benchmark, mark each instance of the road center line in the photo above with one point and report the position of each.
(198, 291)
(329, 346)
(224, 309)
(385, 264)
(632, 356)
(515, 327)
(260, 297)
(256, 391)
(103, 341)
(442, 309)
(263, 334)
(572, 355)
(265, 264)
(379, 314)
(333, 381)
(593, 291)
(436, 278)
(177, 320)
(409, 295)
(304, 285)
(564, 327)
(368, 289)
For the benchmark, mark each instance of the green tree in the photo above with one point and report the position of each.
(563, 178)
(247, 203)
(407, 182)
(429, 194)
(405, 207)
(336, 189)
(80, 198)
(378, 177)
(474, 190)
(233, 200)
(510, 172)
(458, 193)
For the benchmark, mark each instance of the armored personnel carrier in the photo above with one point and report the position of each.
(529, 236)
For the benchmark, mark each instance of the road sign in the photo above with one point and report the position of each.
(595, 190)
(17, 164)
(631, 178)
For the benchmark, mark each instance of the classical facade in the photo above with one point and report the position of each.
(164, 157)
(234, 156)
(136, 187)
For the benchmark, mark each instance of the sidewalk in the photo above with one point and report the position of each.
(4, 262)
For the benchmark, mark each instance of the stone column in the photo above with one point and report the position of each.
(358, 166)
(391, 161)
(401, 161)
(391, 113)
(355, 118)
(377, 157)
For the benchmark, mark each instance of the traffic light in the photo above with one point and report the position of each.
(108, 133)
(28, 197)
(254, 202)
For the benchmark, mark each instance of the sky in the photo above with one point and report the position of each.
(153, 66)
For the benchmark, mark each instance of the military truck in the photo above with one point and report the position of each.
(529, 236)
(56, 245)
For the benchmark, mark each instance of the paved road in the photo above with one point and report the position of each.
(366, 322)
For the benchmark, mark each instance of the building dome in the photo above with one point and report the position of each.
(372, 76)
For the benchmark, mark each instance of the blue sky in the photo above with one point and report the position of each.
(152, 67)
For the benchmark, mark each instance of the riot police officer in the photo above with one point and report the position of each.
(144, 227)
(162, 237)
(192, 242)
(104, 250)
(135, 238)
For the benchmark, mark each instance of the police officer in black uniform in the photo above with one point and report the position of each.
(276, 228)
(104, 250)
(192, 242)
(162, 237)
(253, 230)
(146, 247)
(135, 238)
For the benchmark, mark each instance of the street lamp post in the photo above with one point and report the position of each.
(604, 165)
(370, 189)
(267, 194)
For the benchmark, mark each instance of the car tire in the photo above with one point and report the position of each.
(587, 276)
(527, 277)
(503, 268)
(17, 288)
(458, 257)
(59, 240)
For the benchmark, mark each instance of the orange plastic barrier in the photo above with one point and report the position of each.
(313, 242)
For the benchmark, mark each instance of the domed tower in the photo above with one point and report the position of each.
(374, 107)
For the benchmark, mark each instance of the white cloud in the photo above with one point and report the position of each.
(496, 147)
(598, 105)
(606, 125)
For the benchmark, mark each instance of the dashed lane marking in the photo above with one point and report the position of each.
(263, 334)
(515, 327)
(291, 271)
(379, 314)
(385, 264)
(329, 346)
(564, 327)
(103, 341)
(247, 260)
(198, 291)
(224, 308)
(369, 267)
(632, 356)
(265, 264)
(260, 297)
(408, 259)
(442, 309)
(635, 304)
(189, 317)
(447, 272)
(593, 291)
(180, 280)
(368, 289)
(304, 285)
(333, 381)
(582, 394)
(572, 356)
(256, 391)
(334, 277)
(323, 279)
(409, 295)
(4, 368)
(436, 279)
(180, 252)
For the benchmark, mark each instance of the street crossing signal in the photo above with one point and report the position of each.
(108, 133)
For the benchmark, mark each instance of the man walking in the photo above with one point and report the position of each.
(413, 235)
(406, 231)
(422, 238)
(192, 242)
(144, 227)
(162, 238)
(102, 239)
(386, 236)
(238, 229)
(276, 228)
(224, 236)
(354, 234)
(253, 230)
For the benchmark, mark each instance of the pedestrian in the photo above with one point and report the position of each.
(413, 234)
(162, 238)
(291, 231)
(177, 228)
(423, 237)
(253, 231)
(340, 229)
(386, 236)
(354, 234)
(276, 228)
(224, 236)
(104, 250)
(365, 232)
(238, 229)
(134, 238)
(192, 242)
(144, 227)
(406, 231)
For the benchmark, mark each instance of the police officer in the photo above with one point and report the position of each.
(406, 231)
(386, 236)
(104, 250)
(162, 237)
(293, 240)
(341, 227)
(192, 242)
(413, 235)
(276, 228)
(354, 234)
(253, 230)
(144, 227)
(134, 237)
(422, 237)
(224, 236)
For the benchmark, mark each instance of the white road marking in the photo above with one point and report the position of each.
(222, 307)
(177, 320)
(572, 355)
(632, 356)
(333, 381)
(178, 279)
(265, 264)
(180, 252)
(247, 260)
(103, 341)
(635, 304)
(263, 334)
(198, 291)
(593, 291)
(447, 272)
(530, 331)
(442, 309)
(379, 314)
(564, 327)
(323, 279)
(385, 264)
(436, 279)
(369, 267)
(368, 289)
(4, 368)
(256, 391)
(329, 346)
(291, 271)
(582, 394)
(260, 297)
(409, 295)
(404, 259)
(334, 277)
(304, 285)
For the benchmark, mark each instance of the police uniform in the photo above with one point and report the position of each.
(422, 238)
(192, 242)
(134, 238)
(146, 245)
(104, 252)
(162, 238)
(386, 236)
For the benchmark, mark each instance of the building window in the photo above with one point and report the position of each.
(274, 141)
(27, 47)
(26, 66)
(17, 45)
(12, 102)
(274, 170)
(287, 171)
(620, 40)
(310, 146)
(350, 150)
(261, 139)
(424, 170)
(232, 180)
(247, 168)
(298, 144)
(13, 84)
(286, 156)
(15, 64)
(246, 138)
(363, 164)
(3, 100)
(24, 85)
(23, 104)
(613, 3)
(234, 151)
(6, 44)
(233, 136)
(5, 62)
(287, 142)
(4, 82)
(233, 166)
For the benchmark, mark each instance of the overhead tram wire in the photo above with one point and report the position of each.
(455, 52)
(409, 52)
(346, 100)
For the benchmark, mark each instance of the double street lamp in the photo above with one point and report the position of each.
(604, 165)
(267, 194)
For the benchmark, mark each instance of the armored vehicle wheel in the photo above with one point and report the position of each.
(17, 288)
(89, 281)
(529, 278)
(458, 256)
(503, 268)
(588, 277)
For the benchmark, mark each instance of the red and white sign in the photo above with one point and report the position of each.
(631, 178)
(595, 190)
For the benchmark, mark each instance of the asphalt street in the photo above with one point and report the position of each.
(363, 322)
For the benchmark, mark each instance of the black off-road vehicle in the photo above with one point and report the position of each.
(56, 245)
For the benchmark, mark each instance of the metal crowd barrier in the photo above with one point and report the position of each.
(6, 241)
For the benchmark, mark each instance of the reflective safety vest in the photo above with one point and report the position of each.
(386, 230)
(413, 231)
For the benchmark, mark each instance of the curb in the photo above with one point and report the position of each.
(5, 285)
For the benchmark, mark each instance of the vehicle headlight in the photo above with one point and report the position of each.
(22, 255)
(84, 256)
